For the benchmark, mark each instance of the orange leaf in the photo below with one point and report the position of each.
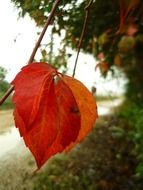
(104, 67)
(132, 29)
(87, 106)
(118, 60)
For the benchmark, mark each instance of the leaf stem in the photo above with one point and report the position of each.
(87, 9)
(9, 91)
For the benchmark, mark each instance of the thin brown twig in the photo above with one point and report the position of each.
(44, 30)
(6, 95)
(87, 9)
(9, 91)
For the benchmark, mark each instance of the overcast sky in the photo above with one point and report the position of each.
(17, 39)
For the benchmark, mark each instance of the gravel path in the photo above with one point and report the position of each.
(16, 170)
(17, 165)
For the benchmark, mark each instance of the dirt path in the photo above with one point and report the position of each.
(16, 171)
(17, 165)
(6, 119)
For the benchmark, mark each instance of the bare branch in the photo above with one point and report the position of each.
(87, 9)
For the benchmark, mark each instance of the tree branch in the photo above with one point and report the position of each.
(87, 9)
(9, 91)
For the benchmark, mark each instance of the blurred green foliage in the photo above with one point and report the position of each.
(4, 85)
(133, 114)
(2, 73)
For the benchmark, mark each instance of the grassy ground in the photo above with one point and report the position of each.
(103, 161)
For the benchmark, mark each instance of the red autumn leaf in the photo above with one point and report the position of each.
(43, 131)
(70, 113)
(100, 56)
(103, 66)
(49, 113)
(132, 29)
(28, 87)
(42, 113)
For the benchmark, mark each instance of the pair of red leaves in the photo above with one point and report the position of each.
(53, 111)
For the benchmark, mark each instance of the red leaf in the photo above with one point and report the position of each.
(69, 113)
(28, 87)
(45, 127)
(69, 119)
(46, 112)
(132, 29)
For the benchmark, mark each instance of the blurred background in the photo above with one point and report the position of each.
(110, 66)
